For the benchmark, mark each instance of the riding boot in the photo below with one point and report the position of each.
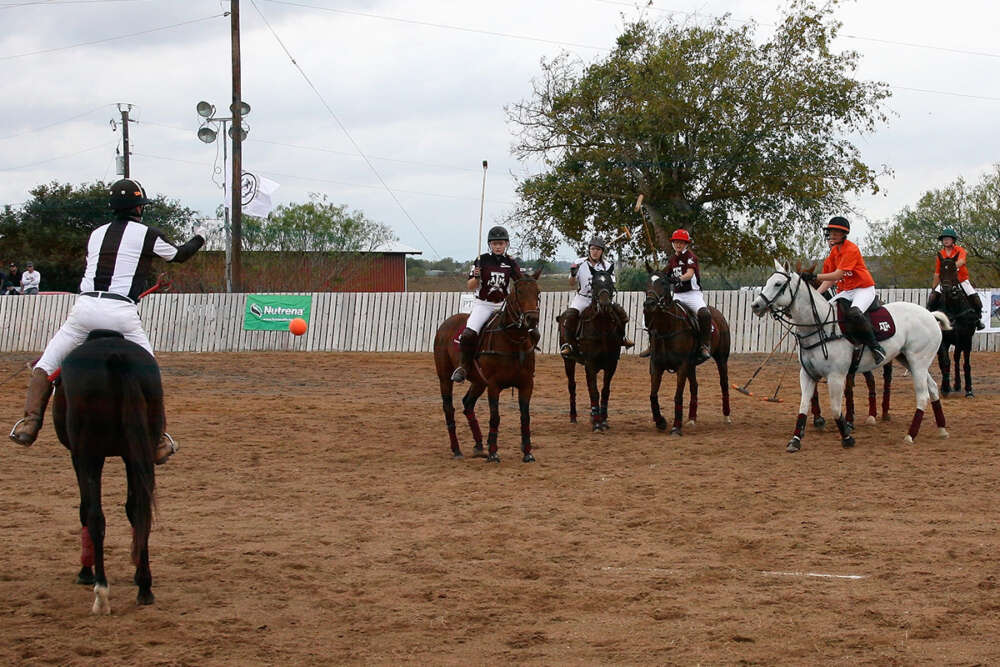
(622, 319)
(977, 306)
(39, 390)
(865, 333)
(570, 323)
(166, 448)
(934, 301)
(467, 348)
(704, 335)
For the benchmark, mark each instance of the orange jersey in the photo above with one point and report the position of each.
(847, 257)
(958, 252)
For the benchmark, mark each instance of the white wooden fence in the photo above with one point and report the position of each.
(369, 322)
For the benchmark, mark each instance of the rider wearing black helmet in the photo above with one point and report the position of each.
(119, 257)
(580, 277)
(950, 248)
(490, 278)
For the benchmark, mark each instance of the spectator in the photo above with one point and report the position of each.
(12, 280)
(30, 279)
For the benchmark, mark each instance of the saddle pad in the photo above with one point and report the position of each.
(882, 323)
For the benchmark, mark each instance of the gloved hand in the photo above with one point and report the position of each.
(808, 276)
(201, 230)
(673, 280)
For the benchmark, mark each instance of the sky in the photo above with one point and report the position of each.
(390, 107)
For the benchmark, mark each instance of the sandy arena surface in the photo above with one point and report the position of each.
(314, 515)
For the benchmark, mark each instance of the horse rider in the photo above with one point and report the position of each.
(580, 276)
(490, 278)
(119, 257)
(845, 267)
(950, 248)
(684, 274)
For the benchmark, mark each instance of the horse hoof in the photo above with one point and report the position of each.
(528, 458)
(691, 423)
(145, 597)
(457, 455)
(794, 445)
(478, 452)
(493, 458)
(85, 577)
(943, 433)
(661, 424)
(819, 422)
(596, 428)
(870, 420)
(572, 420)
(886, 418)
(969, 394)
(848, 442)
(729, 420)
(604, 426)
(676, 431)
(908, 440)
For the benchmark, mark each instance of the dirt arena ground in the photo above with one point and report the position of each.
(314, 515)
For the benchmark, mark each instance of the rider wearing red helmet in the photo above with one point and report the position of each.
(684, 273)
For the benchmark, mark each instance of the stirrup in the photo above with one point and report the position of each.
(459, 374)
(627, 342)
(878, 353)
(172, 447)
(704, 354)
(566, 350)
(18, 440)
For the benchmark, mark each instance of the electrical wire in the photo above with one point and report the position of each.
(345, 131)
(50, 3)
(110, 39)
(58, 122)
(59, 157)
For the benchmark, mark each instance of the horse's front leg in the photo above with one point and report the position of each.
(609, 373)
(524, 404)
(944, 364)
(138, 507)
(849, 400)
(723, 366)
(872, 402)
(886, 390)
(807, 388)
(89, 479)
(967, 368)
(595, 397)
(469, 410)
(693, 391)
(682, 376)
(655, 378)
(448, 405)
(835, 383)
(817, 411)
(570, 366)
(493, 397)
(958, 368)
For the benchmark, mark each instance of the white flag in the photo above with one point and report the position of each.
(256, 194)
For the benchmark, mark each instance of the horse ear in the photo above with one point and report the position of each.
(649, 269)
(778, 266)
(537, 273)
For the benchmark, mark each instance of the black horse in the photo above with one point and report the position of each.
(955, 304)
(673, 341)
(109, 402)
(599, 348)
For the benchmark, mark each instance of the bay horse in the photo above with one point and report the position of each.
(109, 402)
(505, 357)
(673, 344)
(824, 352)
(599, 349)
(955, 304)
(819, 421)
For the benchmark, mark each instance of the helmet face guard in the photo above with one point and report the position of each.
(127, 194)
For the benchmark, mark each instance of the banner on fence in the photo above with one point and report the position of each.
(991, 310)
(273, 312)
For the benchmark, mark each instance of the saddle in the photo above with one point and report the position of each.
(882, 323)
(692, 317)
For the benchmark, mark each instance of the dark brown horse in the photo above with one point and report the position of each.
(599, 349)
(109, 402)
(673, 341)
(955, 304)
(505, 357)
(819, 421)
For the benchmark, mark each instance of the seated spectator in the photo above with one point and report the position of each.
(30, 279)
(11, 280)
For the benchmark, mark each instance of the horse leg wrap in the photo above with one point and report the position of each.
(86, 548)
(693, 410)
(725, 403)
(938, 414)
(494, 424)
(815, 405)
(800, 425)
(595, 413)
(842, 426)
(849, 400)
(678, 413)
(477, 433)
(525, 426)
(918, 416)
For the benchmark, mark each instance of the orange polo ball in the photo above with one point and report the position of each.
(297, 326)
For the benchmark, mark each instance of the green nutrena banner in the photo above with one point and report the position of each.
(273, 312)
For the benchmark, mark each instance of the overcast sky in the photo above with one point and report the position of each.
(420, 88)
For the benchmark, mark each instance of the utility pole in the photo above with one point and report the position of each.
(125, 108)
(237, 180)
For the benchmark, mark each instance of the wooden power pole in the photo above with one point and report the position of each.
(237, 179)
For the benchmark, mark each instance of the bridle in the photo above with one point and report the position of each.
(663, 305)
(818, 325)
(514, 312)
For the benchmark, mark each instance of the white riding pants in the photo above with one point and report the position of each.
(481, 311)
(91, 313)
(966, 287)
(694, 300)
(580, 302)
(859, 297)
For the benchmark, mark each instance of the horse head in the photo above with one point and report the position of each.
(779, 291)
(950, 285)
(602, 288)
(523, 299)
(659, 290)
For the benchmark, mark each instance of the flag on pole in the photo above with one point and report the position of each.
(256, 194)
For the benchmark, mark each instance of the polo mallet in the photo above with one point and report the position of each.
(482, 205)
(27, 364)
(774, 398)
(743, 389)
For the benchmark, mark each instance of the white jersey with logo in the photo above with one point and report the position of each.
(584, 277)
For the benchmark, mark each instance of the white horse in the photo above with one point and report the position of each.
(825, 352)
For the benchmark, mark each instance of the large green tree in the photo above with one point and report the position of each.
(908, 241)
(52, 228)
(742, 141)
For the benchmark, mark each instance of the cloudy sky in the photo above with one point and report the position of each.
(393, 105)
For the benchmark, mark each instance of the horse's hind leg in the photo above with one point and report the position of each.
(140, 515)
(935, 396)
(886, 390)
(958, 369)
(807, 388)
(835, 383)
(872, 402)
(595, 398)
(967, 368)
(723, 366)
(609, 374)
(849, 401)
(944, 363)
(817, 412)
(448, 405)
(89, 478)
(693, 391)
(921, 384)
(682, 377)
(86, 574)
(469, 410)
(570, 366)
(524, 404)
(493, 397)
(655, 378)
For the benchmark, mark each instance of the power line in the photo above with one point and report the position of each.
(110, 39)
(345, 131)
(60, 157)
(50, 3)
(58, 122)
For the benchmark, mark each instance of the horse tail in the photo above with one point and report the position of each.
(942, 320)
(140, 435)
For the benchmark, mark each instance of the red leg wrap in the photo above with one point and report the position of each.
(918, 416)
(938, 413)
(86, 548)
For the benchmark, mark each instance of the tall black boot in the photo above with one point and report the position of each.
(977, 305)
(864, 331)
(467, 348)
(570, 323)
(704, 335)
(39, 390)
(622, 318)
(934, 301)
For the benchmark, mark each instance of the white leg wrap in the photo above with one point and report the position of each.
(101, 603)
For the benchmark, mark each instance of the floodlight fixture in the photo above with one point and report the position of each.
(243, 132)
(244, 108)
(205, 110)
(207, 134)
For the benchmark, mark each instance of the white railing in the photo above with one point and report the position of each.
(365, 322)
